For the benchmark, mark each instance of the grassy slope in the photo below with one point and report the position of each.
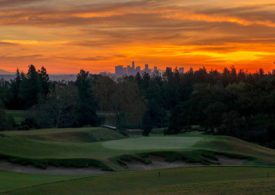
(68, 135)
(17, 146)
(236, 146)
(28, 147)
(211, 180)
(11, 181)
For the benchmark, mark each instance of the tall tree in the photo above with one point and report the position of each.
(29, 89)
(59, 111)
(147, 123)
(128, 104)
(6, 122)
(44, 82)
(13, 101)
(86, 112)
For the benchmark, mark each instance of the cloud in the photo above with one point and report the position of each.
(3, 43)
(178, 30)
(16, 3)
(33, 42)
(138, 13)
(21, 57)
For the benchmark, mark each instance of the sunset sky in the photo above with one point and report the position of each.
(68, 35)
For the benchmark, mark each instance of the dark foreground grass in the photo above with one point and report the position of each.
(11, 181)
(203, 180)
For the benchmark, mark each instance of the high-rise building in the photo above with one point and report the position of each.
(138, 69)
(146, 69)
(132, 70)
(129, 70)
(156, 72)
(119, 70)
(133, 65)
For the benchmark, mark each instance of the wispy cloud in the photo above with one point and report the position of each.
(106, 32)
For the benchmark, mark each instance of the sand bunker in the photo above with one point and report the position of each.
(7, 166)
(157, 163)
(227, 161)
(160, 163)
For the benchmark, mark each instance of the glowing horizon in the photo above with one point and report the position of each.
(66, 36)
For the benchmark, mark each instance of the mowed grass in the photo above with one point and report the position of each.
(73, 147)
(88, 134)
(25, 147)
(203, 180)
(153, 143)
(11, 181)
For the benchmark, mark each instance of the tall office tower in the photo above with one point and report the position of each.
(133, 65)
(119, 70)
(146, 68)
(138, 69)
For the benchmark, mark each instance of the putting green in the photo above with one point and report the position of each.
(152, 143)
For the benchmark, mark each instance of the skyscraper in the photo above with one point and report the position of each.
(146, 69)
(119, 70)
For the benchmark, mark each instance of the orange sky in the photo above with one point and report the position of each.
(66, 35)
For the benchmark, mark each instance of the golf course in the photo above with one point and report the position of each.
(102, 161)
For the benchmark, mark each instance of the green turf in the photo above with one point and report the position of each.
(69, 135)
(18, 146)
(11, 181)
(71, 149)
(206, 180)
(153, 143)
(82, 147)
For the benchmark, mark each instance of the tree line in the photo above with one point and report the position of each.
(230, 102)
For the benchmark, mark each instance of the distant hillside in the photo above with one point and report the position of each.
(4, 72)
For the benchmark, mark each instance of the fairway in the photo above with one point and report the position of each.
(205, 180)
(153, 143)
(11, 181)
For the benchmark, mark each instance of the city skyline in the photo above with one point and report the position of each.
(120, 70)
(133, 69)
(66, 35)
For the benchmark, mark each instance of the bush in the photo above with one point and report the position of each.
(6, 121)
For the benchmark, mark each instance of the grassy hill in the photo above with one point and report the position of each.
(203, 180)
(82, 148)
(68, 135)
(108, 150)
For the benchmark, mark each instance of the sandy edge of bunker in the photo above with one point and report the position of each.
(156, 163)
